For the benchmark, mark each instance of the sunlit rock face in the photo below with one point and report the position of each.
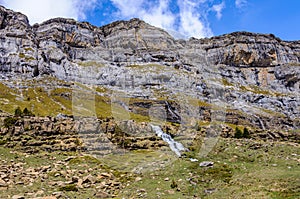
(255, 76)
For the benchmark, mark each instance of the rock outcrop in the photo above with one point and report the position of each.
(99, 137)
(252, 77)
(58, 44)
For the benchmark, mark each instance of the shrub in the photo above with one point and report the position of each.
(2, 140)
(246, 133)
(10, 121)
(241, 134)
(174, 184)
(70, 187)
(22, 55)
(18, 112)
(238, 133)
(27, 112)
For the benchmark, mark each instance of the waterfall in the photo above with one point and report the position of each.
(174, 146)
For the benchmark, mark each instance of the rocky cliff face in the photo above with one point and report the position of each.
(251, 77)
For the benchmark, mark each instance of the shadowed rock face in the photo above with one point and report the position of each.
(250, 72)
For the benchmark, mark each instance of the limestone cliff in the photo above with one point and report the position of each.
(253, 77)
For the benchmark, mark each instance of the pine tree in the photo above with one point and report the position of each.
(238, 133)
(27, 112)
(246, 133)
(18, 112)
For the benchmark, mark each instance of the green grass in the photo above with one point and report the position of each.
(153, 68)
(272, 113)
(85, 159)
(243, 168)
(260, 90)
(146, 160)
(101, 89)
(70, 187)
(21, 55)
(35, 99)
(90, 64)
(158, 66)
(293, 64)
(57, 98)
(239, 171)
(64, 97)
(29, 49)
(226, 82)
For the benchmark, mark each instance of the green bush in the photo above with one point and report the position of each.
(27, 112)
(174, 184)
(18, 112)
(2, 140)
(70, 187)
(238, 133)
(246, 133)
(241, 134)
(10, 121)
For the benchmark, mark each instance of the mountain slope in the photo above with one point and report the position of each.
(129, 94)
(240, 78)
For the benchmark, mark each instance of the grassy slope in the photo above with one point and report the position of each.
(50, 100)
(242, 169)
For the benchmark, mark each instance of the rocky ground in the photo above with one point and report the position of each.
(59, 175)
(237, 168)
(46, 157)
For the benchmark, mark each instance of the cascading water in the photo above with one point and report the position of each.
(174, 146)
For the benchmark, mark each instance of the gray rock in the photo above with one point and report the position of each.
(3, 183)
(102, 194)
(210, 191)
(255, 76)
(18, 197)
(206, 164)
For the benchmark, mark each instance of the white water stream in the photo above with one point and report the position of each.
(174, 146)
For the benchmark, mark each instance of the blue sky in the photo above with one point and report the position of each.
(191, 18)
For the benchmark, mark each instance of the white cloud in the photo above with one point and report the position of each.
(160, 16)
(193, 19)
(188, 22)
(189, 17)
(240, 3)
(128, 8)
(41, 10)
(218, 8)
(155, 13)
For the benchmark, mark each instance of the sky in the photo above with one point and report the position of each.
(182, 18)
